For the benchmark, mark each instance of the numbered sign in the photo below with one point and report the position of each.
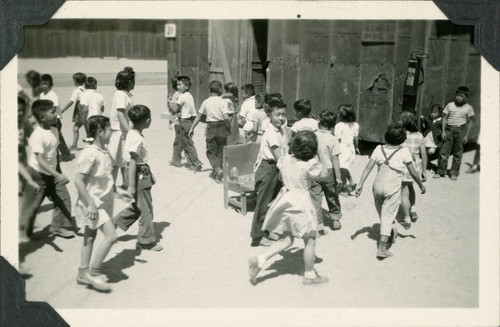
(170, 30)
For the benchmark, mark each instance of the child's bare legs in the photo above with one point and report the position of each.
(405, 203)
(86, 252)
(109, 231)
(310, 275)
(76, 135)
(257, 263)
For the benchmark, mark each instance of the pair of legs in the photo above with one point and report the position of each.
(92, 273)
(115, 147)
(408, 201)
(76, 134)
(62, 224)
(387, 206)
(309, 256)
(475, 164)
(216, 139)
(453, 145)
(184, 142)
(326, 186)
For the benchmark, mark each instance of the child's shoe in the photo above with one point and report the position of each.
(406, 223)
(318, 279)
(382, 251)
(413, 216)
(98, 282)
(81, 278)
(336, 225)
(472, 169)
(62, 232)
(253, 269)
(350, 190)
(157, 247)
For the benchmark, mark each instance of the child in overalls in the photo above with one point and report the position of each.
(392, 160)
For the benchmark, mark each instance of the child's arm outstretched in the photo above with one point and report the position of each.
(414, 174)
(364, 175)
(423, 155)
(67, 106)
(84, 194)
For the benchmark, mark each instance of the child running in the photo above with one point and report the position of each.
(392, 160)
(346, 131)
(79, 118)
(415, 143)
(94, 205)
(293, 213)
(141, 180)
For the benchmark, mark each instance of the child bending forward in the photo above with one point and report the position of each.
(392, 160)
(292, 212)
(94, 206)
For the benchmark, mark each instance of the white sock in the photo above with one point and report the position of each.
(310, 274)
(261, 261)
(413, 209)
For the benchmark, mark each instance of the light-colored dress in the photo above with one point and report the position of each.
(413, 142)
(293, 210)
(345, 133)
(95, 163)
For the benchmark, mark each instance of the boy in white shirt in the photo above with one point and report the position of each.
(44, 170)
(92, 102)
(78, 118)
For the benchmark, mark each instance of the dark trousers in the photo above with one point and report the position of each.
(216, 139)
(142, 208)
(31, 201)
(184, 142)
(267, 187)
(63, 148)
(327, 186)
(453, 145)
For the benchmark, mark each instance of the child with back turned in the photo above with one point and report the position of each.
(92, 101)
(94, 205)
(330, 182)
(43, 168)
(79, 118)
(392, 160)
(346, 131)
(140, 181)
(292, 212)
(415, 143)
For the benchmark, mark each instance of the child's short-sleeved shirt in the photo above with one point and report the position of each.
(398, 161)
(259, 116)
(93, 100)
(272, 138)
(457, 116)
(52, 96)
(305, 124)
(346, 132)
(214, 107)
(247, 106)
(121, 100)
(77, 93)
(134, 142)
(186, 101)
(328, 148)
(44, 141)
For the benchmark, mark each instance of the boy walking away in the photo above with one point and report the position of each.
(91, 101)
(218, 127)
(43, 170)
(48, 94)
(457, 121)
(184, 107)
(304, 120)
(140, 181)
(330, 182)
(78, 118)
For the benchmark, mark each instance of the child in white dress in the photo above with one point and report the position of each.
(347, 131)
(292, 213)
(94, 206)
(392, 160)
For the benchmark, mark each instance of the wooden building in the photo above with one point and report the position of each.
(331, 62)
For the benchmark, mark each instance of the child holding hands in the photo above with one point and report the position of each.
(94, 206)
(392, 160)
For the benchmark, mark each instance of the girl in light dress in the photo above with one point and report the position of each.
(94, 206)
(292, 213)
(347, 131)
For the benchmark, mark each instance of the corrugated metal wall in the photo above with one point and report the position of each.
(365, 62)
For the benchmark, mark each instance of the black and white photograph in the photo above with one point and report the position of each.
(331, 159)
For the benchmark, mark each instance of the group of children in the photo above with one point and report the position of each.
(295, 166)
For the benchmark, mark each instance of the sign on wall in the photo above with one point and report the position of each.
(170, 30)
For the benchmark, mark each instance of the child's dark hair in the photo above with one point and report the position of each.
(79, 78)
(20, 100)
(185, 80)
(94, 124)
(347, 113)
(39, 107)
(139, 113)
(463, 90)
(395, 134)
(438, 108)
(124, 78)
(231, 87)
(275, 103)
(47, 78)
(260, 98)
(304, 145)
(249, 89)
(409, 121)
(215, 87)
(327, 118)
(33, 78)
(173, 81)
(272, 96)
(303, 107)
(91, 83)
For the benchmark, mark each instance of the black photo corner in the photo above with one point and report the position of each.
(15, 14)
